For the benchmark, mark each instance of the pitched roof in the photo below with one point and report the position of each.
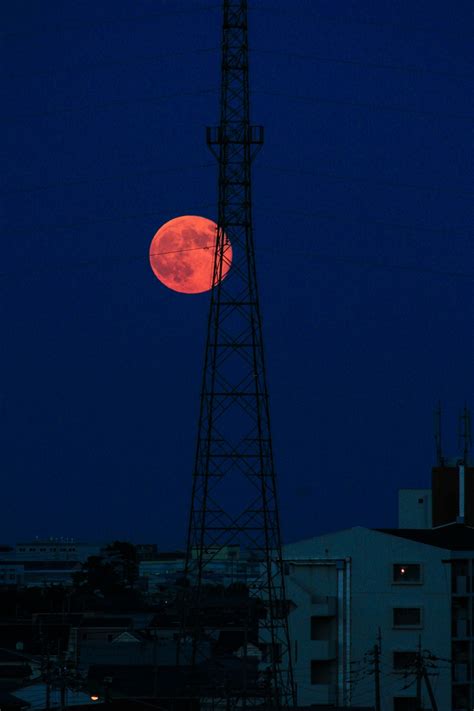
(107, 622)
(454, 537)
(8, 700)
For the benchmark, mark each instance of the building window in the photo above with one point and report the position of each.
(403, 661)
(321, 671)
(321, 628)
(407, 616)
(406, 573)
(404, 703)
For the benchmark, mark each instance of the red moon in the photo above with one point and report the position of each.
(182, 254)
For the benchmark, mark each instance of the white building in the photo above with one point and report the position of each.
(347, 586)
(11, 574)
(56, 549)
(44, 562)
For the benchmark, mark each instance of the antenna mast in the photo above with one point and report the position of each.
(465, 433)
(438, 438)
(234, 498)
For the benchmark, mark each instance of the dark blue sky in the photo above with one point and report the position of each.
(364, 219)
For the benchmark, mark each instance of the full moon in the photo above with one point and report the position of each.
(182, 254)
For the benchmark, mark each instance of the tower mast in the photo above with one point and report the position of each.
(234, 498)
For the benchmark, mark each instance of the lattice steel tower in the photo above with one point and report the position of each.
(234, 500)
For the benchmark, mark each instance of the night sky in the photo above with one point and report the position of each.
(364, 221)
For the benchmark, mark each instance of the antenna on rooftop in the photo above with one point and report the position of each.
(465, 436)
(438, 440)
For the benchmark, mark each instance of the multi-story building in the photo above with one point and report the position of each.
(43, 562)
(348, 590)
(225, 566)
(11, 574)
(58, 549)
(404, 596)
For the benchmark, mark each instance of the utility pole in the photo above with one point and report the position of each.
(422, 675)
(62, 680)
(419, 675)
(234, 497)
(377, 650)
(434, 705)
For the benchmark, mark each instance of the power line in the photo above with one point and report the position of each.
(97, 221)
(112, 63)
(79, 26)
(117, 103)
(411, 68)
(378, 223)
(265, 167)
(372, 181)
(362, 105)
(165, 56)
(298, 213)
(103, 179)
(341, 20)
(116, 259)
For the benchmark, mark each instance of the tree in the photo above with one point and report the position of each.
(123, 556)
(99, 575)
(113, 572)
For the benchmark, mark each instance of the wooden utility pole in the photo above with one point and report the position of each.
(422, 675)
(377, 649)
(419, 675)
(434, 705)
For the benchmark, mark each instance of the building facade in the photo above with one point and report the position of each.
(358, 588)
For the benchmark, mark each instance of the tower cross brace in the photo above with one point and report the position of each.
(234, 500)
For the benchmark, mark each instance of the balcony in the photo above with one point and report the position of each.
(461, 585)
(322, 694)
(461, 628)
(322, 649)
(460, 672)
(323, 606)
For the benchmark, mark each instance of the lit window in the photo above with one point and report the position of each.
(407, 573)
